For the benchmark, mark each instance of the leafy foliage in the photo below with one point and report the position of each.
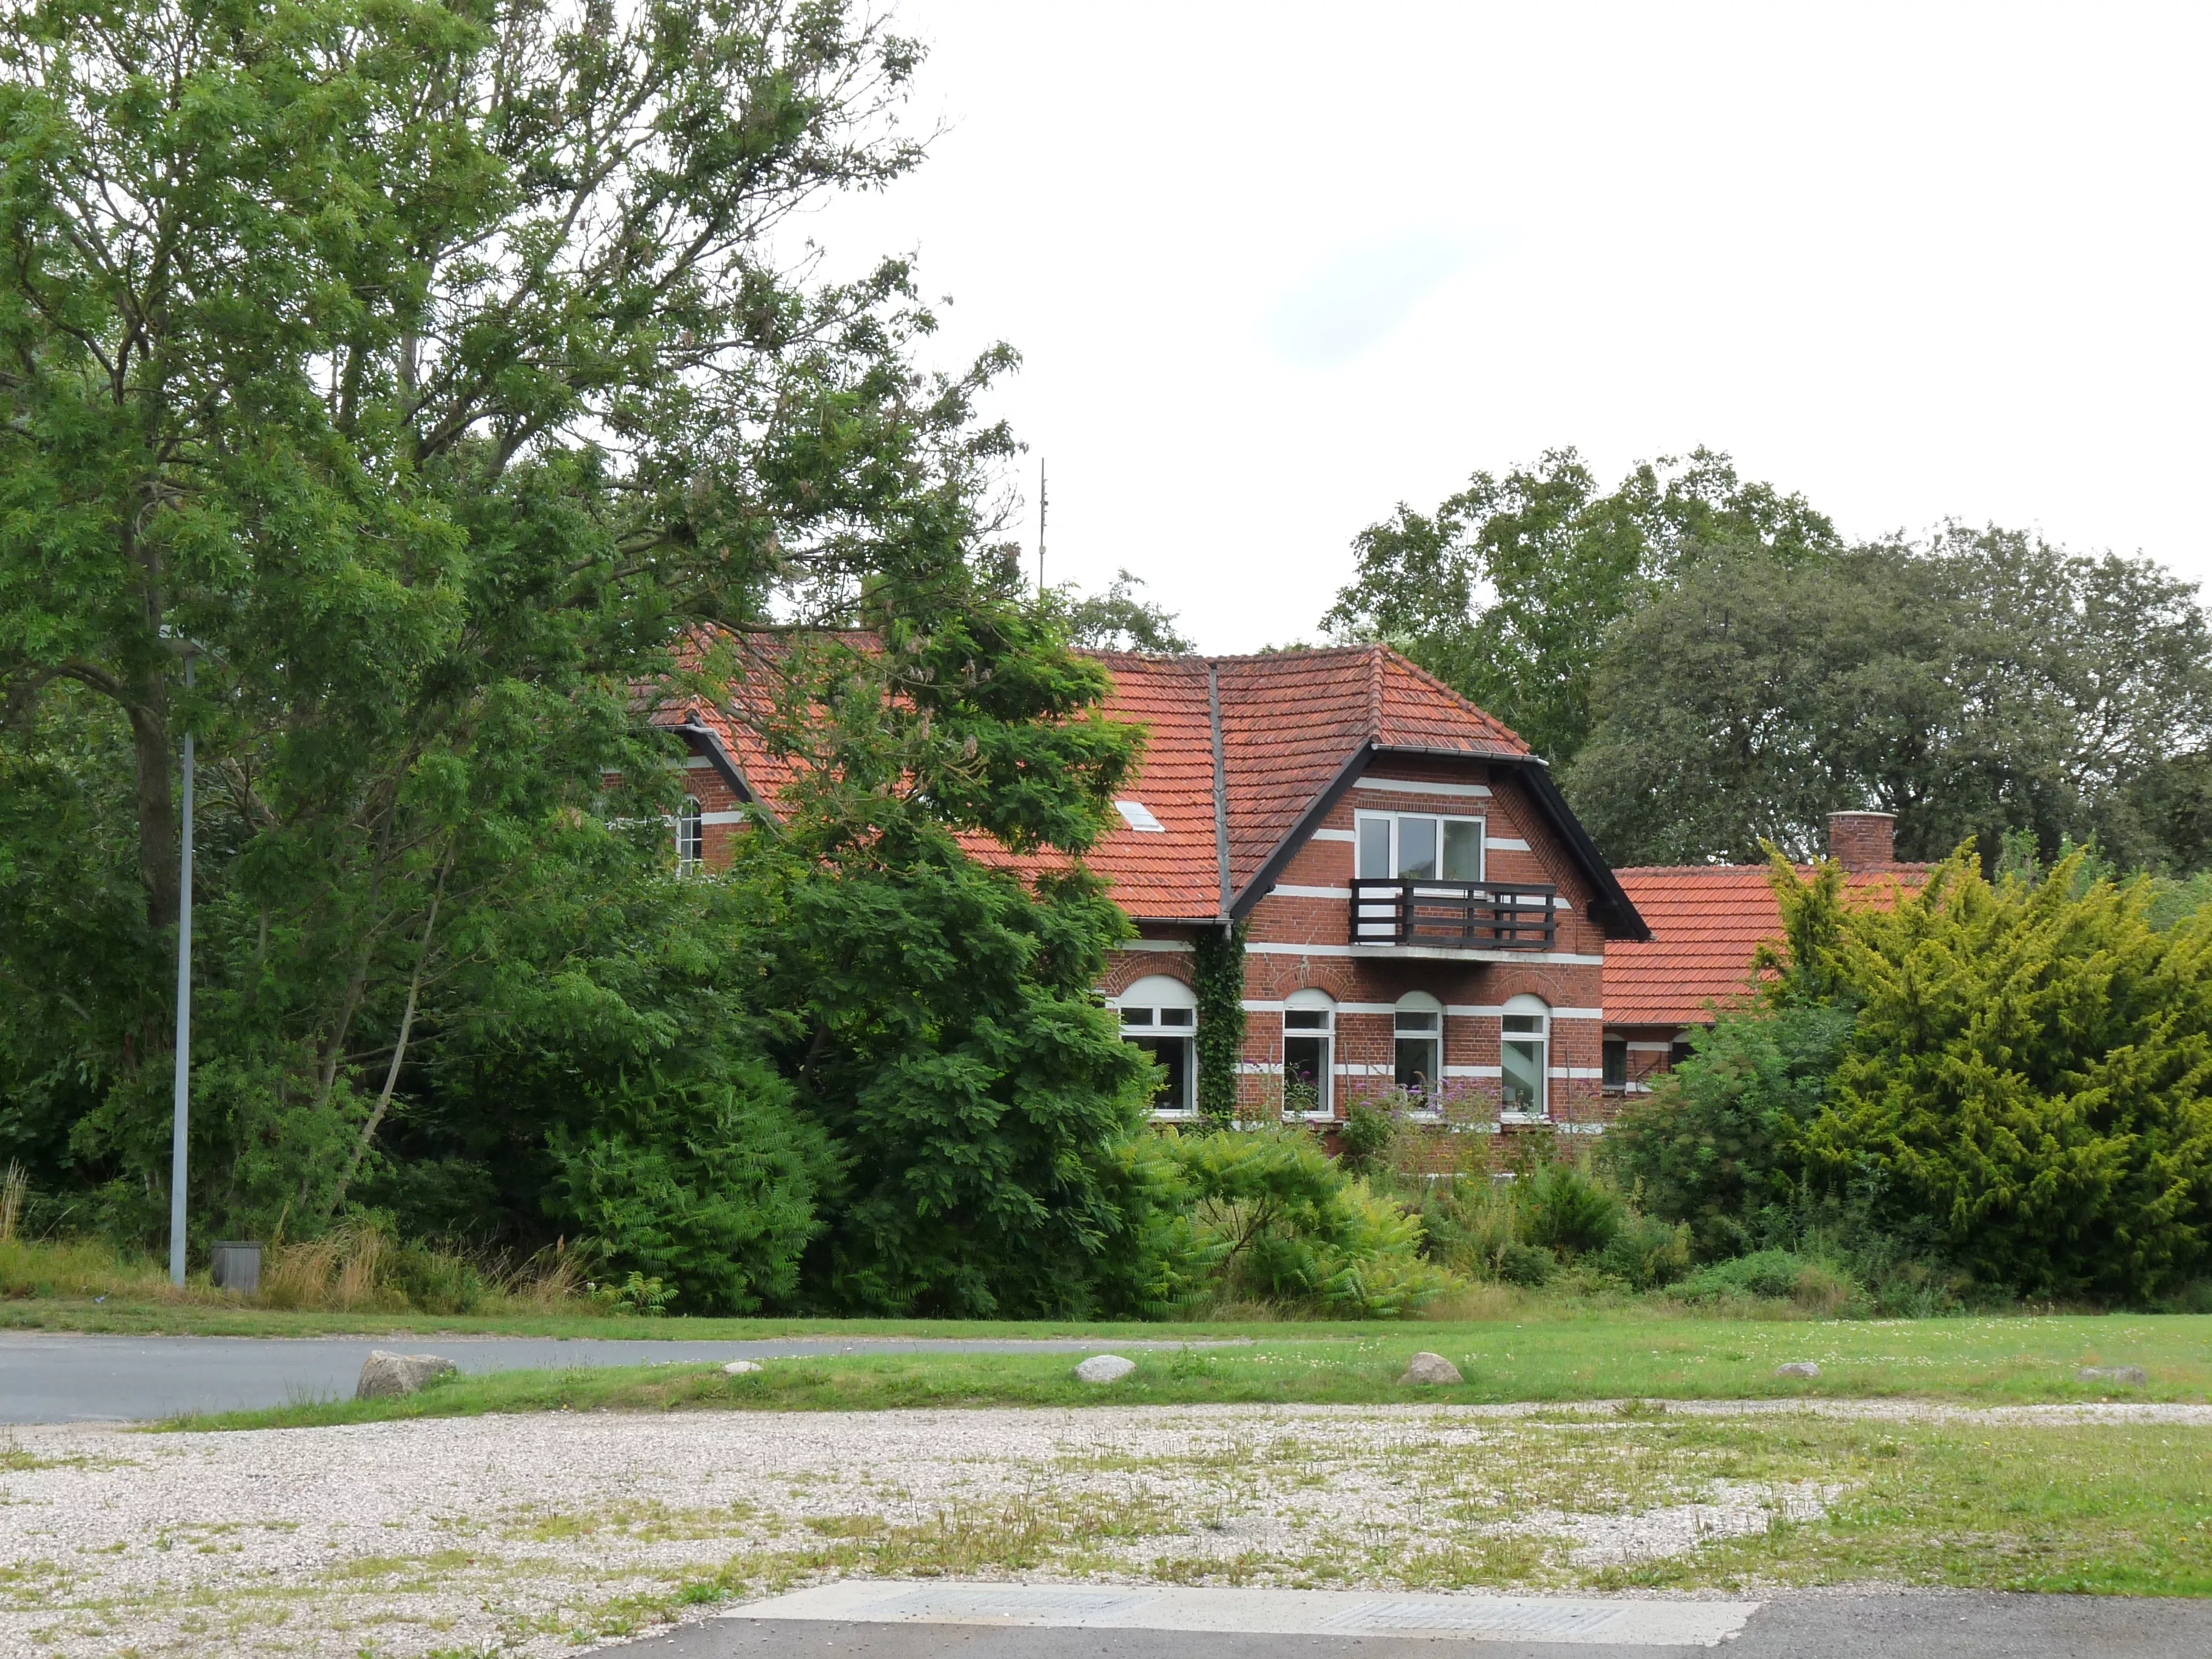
(1987, 683)
(1719, 1144)
(1506, 592)
(1998, 1080)
(2028, 1071)
(1118, 620)
(1216, 973)
(1287, 1223)
(440, 375)
(1564, 1210)
(710, 1188)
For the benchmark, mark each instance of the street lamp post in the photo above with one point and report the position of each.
(182, 1122)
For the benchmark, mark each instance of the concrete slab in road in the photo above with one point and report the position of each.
(1607, 1622)
(1803, 1624)
(64, 1377)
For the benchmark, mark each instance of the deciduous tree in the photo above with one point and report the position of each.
(1507, 590)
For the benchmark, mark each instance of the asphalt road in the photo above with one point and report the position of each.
(1932, 1625)
(56, 1377)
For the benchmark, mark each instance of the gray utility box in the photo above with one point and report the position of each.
(235, 1266)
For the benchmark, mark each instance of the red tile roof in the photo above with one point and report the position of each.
(1707, 921)
(1291, 721)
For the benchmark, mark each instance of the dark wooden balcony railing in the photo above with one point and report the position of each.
(1456, 916)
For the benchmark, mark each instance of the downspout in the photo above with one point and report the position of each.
(1221, 787)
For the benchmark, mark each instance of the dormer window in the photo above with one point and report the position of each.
(1410, 846)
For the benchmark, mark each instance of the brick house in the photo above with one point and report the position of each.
(1422, 909)
(1707, 922)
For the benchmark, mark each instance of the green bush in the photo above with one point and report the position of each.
(1468, 1220)
(706, 1185)
(1284, 1222)
(1772, 1273)
(1718, 1144)
(1529, 1266)
(439, 1281)
(1647, 1253)
(1565, 1211)
(1817, 1287)
(2029, 1070)
(1366, 1136)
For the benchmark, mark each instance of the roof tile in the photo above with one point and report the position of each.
(1707, 922)
(1290, 720)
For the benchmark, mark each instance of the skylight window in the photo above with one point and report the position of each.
(1138, 817)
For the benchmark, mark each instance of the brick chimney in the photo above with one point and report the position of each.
(1862, 841)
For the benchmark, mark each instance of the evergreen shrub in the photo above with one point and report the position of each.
(2028, 1071)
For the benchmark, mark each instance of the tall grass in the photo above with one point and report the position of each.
(344, 1271)
(15, 1187)
(352, 1268)
(358, 1268)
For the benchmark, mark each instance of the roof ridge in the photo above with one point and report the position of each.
(1890, 868)
(1375, 661)
(1283, 653)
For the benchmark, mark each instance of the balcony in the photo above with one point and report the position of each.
(1453, 916)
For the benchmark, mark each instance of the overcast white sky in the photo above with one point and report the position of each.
(1274, 268)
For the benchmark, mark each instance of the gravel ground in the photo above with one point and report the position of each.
(530, 1534)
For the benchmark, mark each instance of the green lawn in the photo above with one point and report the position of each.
(1980, 1361)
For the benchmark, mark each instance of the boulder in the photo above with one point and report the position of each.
(739, 1368)
(1797, 1368)
(386, 1373)
(1104, 1368)
(1427, 1370)
(2118, 1377)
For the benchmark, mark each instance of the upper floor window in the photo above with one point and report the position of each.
(1160, 1016)
(1524, 1056)
(690, 836)
(1308, 1054)
(1616, 1062)
(1419, 1029)
(1399, 846)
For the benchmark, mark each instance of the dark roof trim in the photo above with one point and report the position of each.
(1220, 783)
(1611, 910)
(709, 742)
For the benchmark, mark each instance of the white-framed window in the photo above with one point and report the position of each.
(1524, 1055)
(1418, 1023)
(1395, 846)
(1160, 1016)
(691, 835)
(1308, 1055)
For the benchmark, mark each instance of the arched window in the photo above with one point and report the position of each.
(1309, 1050)
(690, 836)
(1160, 1015)
(1524, 1055)
(1420, 1024)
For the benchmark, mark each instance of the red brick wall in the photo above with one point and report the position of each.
(709, 787)
(1303, 940)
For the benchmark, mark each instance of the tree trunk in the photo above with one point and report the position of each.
(400, 1049)
(148, 713)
